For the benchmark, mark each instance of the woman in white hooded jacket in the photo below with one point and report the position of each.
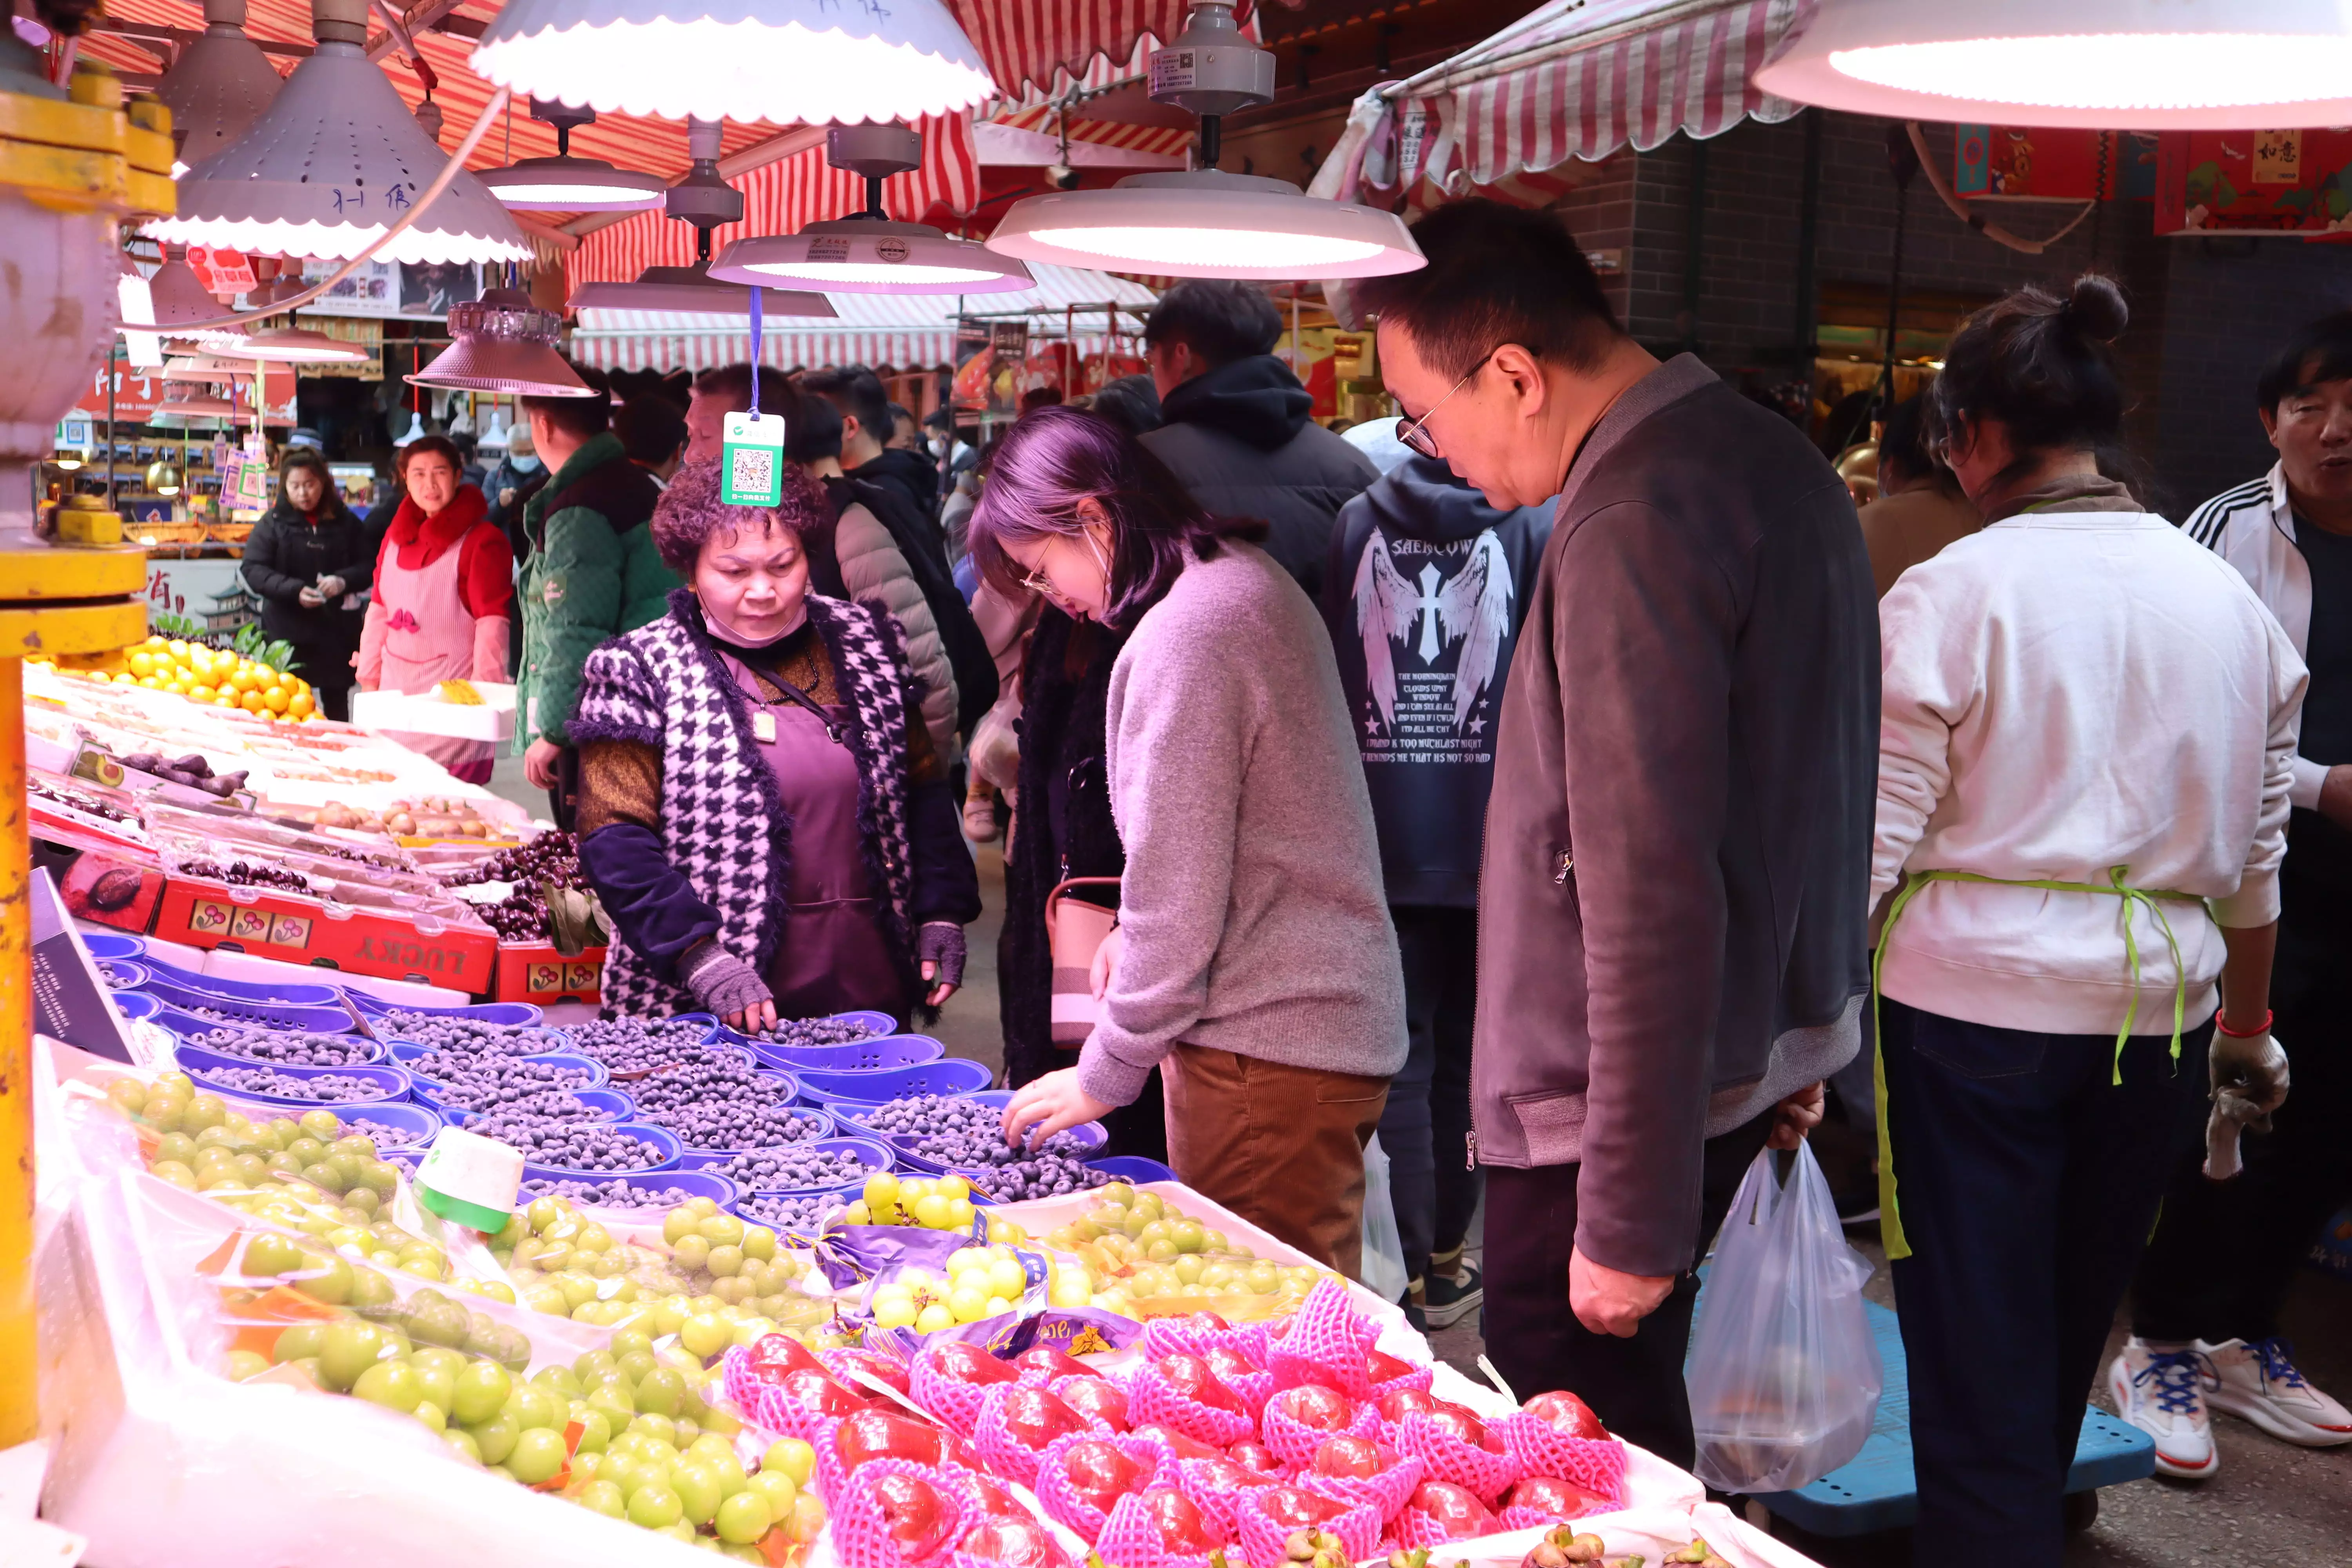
(2086, 730)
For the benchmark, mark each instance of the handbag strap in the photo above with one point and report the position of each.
(1065, 888)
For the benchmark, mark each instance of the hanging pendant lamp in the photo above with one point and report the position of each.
(808, 61)
(503, 344)
(219, 86)
(210, 369)
(334, 162)
(871, 253)
(1205, 223)
(302, 345)
(2100, 65)
(566, 183)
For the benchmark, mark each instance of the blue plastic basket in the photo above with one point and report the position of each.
(291, 994)
(846, 1117)
(659, 1137)
(876, 1055)
(418, 1121)
(845, 1194)
(1092, 1134)
(405, 1052)
(376, 1006)
(949, 1075)
(200, 1064)
(1133, 1168)
(257, 1012)
(610, 1104)
(871, 1153)
(694, 1183)
(189, 1029)
(132, 974)
(122, 944)
(135, 1005)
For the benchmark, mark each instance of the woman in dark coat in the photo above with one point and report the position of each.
(308, 561)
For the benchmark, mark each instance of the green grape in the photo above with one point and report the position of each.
(678, 1531)
(740, 1553)
(777, 1488)
(616, 1403)
(627, 1341)
(432, 1413)
(792, 1457)
(660, 1391)
(267, 1256)
(391, 1383)
(461, 1442)
(243, 1364)
(437, 1381)
(174, 1172)
(696, 1486)
(351, 1345)
(323, 1125)
(305, 1148)
(561, 1381)
(661, 1429)
(364, 1199)
(175, 1146)
(655, 1507)
(283, 1130)
(480, 1391)
(744, 1518)
(637, 1364)
(369, 1289)
(534, 1407)
(283, 1164)
(325, 1177)
(601, 1496)
(538, 1455)
(496, 1437)
(596, 1431)
(203, 1110)
(301, 1339)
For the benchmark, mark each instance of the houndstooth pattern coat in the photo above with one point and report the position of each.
(723, 823)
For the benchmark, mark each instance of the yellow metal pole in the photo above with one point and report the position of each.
(19, 1374)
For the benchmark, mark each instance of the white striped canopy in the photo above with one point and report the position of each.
(1581, 78)
(904, 332)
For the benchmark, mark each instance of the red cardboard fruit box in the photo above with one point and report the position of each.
(534, 972)
(269, 923)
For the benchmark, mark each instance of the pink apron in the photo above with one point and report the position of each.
(428, 639)
(831, 957)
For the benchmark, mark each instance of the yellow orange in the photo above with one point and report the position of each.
(142, 662)
(201, 692)
(224, 701)
(177, 650)
(250, 700)
(300, 705)
(275, 699)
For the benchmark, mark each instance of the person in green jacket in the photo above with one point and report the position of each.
(590, 572)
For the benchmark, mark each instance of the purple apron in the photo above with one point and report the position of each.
(832, 956)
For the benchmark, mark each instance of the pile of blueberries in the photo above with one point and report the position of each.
(791, 1170)
(638, 1045)
(792, 1216)
(465, 1037)
(532, 1107)
(383, 1137)
(331, 1089)
(117, 978)
(936, 1116)
(606, 1194)
(723, 1104)
(577, 1145)
(467, 1078)
(286, 1048)
(1016, 1177)
(817, 1032)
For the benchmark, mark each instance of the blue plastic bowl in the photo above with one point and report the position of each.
(949, 1075)
(876, 1055)
(134, 973)
(846, 1118)
(291, 994)
(871, 1153)
(845, 1194)
(188, 1029)
(610, 1104)
(200, 1064)
(405, 1053)
(1092, 1134)
(122, 944)
(376, 1006)
(1133, 1168)
(659, 1137)
(693, 1183)
(256, 1012)
(135, 1005)
(417, 1120)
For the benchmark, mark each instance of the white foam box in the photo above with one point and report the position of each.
(492, 720)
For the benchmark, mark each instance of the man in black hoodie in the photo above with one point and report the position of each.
(1424, 595)
(1234, 423)
(866, 453)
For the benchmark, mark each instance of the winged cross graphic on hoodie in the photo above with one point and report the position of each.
(1445, 607)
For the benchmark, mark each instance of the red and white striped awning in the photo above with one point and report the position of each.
(903, 331)
(1581, 78)
(1041, 109)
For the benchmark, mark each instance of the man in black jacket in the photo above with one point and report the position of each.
(1424, 593)
(866, 455)
(307, 560)
(1235, 425)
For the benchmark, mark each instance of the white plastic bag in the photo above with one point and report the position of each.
(1783, 1374)
(1383, 1270)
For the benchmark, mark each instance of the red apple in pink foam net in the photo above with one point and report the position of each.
(1456, 1510)
(1567, 1414)
(1315, 1407)
(1017, 1541)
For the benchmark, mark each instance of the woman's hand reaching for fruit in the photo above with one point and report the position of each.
(1048, 1105)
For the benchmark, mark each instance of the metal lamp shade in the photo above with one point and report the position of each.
(567, 185)
(503, 344)
(179, 299)
(689, 291)
(869, 255)
(164, 477)
(1205, 223)
(208, 369)
(804, 61)
(336, 161)
(221, 84)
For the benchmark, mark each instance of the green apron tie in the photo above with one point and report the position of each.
(1890, 1220)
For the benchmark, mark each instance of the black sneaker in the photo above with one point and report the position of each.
(1448, 1300)
(1412, 1313)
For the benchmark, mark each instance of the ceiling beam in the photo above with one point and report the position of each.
(787, 143)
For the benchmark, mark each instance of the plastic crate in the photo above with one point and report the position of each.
(251, 1011)
(949, 1075)
(372, 1007)
(1876, 1489)
(535, 973)
(878, 1054)
(693, 1183)
(871, 1153)
(291, 994)
(200, 1064)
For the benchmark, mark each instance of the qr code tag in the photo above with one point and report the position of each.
(752, 460)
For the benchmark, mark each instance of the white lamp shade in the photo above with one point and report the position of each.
(688, 290)
(1207, 224)
(574, 185)
(2101, 65)
(806, 61)
(300, 345)
(870, 256)
(502, 342)
(220, 85)
(334, 162)
(209, 369)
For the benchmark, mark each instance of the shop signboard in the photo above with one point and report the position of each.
(2292, 184)
(416, 291)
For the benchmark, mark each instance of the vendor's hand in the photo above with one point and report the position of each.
(2335, 795)
(330, 587)
(1048, 1105)
(1606, 1301)
(752, 1019)
(538, 763)
(940, 945)
(2252, 1068)
(1106, 963)
(1797, 1115)
(726, 987)
(310, 598)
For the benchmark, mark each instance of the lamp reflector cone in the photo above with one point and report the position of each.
(1205, 223)
(503, 344)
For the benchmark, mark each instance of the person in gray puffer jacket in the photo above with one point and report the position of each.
(1234, 426)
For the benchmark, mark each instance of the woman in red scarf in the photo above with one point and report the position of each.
(444, 598)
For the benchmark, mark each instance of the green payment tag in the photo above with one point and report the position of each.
(752, 470)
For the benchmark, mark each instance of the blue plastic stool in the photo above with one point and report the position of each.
(1876, 1489)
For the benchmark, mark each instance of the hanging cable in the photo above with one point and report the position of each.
(1978, 221)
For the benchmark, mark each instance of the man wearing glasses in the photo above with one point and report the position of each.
(1672, 952)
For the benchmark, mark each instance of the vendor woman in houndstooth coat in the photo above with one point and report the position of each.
(761, 808)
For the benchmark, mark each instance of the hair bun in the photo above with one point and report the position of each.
(2096, 307)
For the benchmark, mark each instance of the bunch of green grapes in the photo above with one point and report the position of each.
(1138, 1247)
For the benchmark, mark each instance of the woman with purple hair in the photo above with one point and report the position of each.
(1254, 962)
(761, 808)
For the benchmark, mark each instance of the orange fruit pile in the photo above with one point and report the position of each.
(219, 676)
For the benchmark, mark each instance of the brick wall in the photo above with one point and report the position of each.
(2205, 314)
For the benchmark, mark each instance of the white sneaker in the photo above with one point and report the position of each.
(2259, 1383)
(2161, 1392)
